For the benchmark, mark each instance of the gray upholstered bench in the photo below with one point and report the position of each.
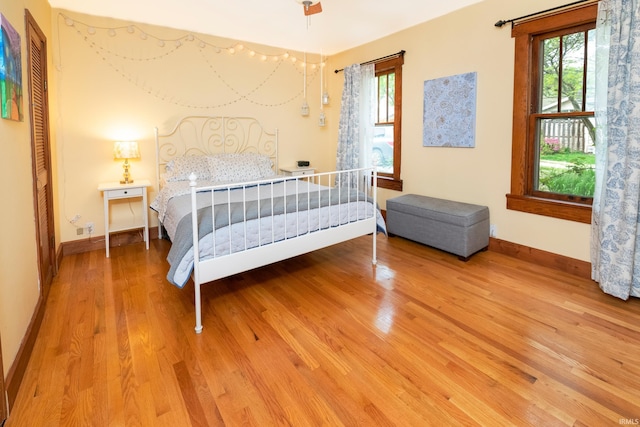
(459, 228)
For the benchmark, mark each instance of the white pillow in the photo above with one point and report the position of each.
(180, 168)
(237, 167)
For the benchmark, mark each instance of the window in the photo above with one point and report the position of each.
(387, 136)
(552, 162)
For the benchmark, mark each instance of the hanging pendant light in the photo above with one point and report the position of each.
(304, 110)
(322, 119)
(324, 93)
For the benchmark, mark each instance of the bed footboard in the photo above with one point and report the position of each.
(320, 210)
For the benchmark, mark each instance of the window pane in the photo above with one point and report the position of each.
(550, 75)
(391, 99)
(382, 154)
(591, 70)
(566, 156)
(573, 55)
(382, 98)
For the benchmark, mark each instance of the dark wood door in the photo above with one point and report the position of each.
(43, 193)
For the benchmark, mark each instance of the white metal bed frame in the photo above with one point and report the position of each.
(205, 135)
(208, 135)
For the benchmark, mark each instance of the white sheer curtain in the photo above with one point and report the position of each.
(615, 244)
(355, 133)
(367, 112)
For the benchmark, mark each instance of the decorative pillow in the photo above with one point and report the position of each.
(236, 167)
(180, 168)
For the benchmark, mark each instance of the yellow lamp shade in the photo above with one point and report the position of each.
(126, 150)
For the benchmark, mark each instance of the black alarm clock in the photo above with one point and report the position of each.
(303, 163)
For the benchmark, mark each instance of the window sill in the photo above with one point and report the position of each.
(553, 208)
(389, 183)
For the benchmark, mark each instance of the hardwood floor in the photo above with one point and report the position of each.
(327, 339)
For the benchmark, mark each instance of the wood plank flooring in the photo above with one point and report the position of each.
(328, 339)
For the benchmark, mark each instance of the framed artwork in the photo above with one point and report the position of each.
(10, 72)
(449, 118)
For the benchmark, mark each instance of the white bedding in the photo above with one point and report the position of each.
(271, 229)
(174, 202)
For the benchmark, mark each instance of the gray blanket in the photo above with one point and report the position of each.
(183, 239)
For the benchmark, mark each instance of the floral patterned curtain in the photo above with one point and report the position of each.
(615, 245)
(355, 133)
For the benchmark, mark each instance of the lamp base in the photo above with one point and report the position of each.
(126, 176)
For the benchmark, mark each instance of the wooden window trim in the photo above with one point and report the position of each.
(393, 181)
(520, 197)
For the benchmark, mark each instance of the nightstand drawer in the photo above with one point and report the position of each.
(128, 192)
(295, 171)
(303, 172)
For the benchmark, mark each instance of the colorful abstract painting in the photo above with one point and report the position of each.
(10, 72)
(450, 111)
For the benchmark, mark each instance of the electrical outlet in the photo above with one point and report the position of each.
(80, 231)
(493, 230)
(89, 227)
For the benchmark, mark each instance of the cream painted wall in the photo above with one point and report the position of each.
(462, 42)
(19, 282)
(120, 79)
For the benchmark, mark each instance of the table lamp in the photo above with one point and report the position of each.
(126, 150)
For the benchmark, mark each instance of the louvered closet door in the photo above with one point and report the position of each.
(37, 56)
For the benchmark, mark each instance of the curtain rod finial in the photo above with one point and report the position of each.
(500, 23)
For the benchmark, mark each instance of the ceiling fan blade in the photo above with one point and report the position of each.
(312, 9)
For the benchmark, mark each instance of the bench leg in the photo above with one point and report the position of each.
(466, 258)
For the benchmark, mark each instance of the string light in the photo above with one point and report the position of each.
(132, 29)
(176, 44)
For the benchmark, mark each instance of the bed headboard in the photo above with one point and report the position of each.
(203, 135)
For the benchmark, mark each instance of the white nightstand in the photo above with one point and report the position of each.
(296, 171)
(117, 191)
